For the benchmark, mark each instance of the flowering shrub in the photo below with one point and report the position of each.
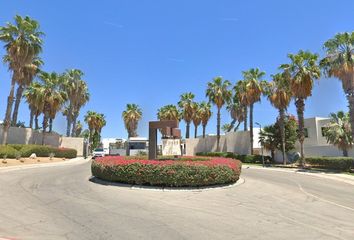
(177, 173)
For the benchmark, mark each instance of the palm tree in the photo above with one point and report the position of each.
(218, 93)
(339, 63)
(53, 98)
(95, 121)
(268, 139)
(301, 72)
(279, 95)
(225, 128)
(90, 119)
(22, 43)
(338, 132)
(78, 96)
(186, 105)
(131, 116)
(237, 113)
(34, 98)
(240, 98)
(196, 118)
(78, 129)
(28, 72)
(205, 114)
(253, 93)
(168, 112)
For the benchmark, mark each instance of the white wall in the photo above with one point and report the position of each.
(29, 136)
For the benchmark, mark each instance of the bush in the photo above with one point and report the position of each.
(172, 173)
(8, 151)
(242, 158)
(336, 163)
(12, 150)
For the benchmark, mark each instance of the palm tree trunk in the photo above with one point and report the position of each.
(282, 133)
(187, 129)
(350, 97)
(10, 101)
(204, 127)
(50, 125)
(74, 126)
(245, 121)
(195, 131)
(232, 124)
(19, 93)
(36, 122)
(44, 126)
(237, 126)
(31, 119)
(251, 127)
(300, 108)
(218, 131)
(68, 125)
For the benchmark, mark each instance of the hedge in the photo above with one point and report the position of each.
(171, 173)
(336, 163)
(12, 150)
(242, 158)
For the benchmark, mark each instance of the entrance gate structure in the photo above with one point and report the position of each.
(169, 129)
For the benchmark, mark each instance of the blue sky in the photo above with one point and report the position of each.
(149, 52)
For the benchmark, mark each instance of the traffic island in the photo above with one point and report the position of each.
(167, 172)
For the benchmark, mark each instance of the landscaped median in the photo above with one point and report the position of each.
(169, 172)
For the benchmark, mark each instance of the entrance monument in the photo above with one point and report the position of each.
(169, 129)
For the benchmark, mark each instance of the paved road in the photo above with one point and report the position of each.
(60, 203)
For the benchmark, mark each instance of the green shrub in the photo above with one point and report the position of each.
(336, 163)
(39, 150)
(8, 151)
(242, 158)
(173, 173)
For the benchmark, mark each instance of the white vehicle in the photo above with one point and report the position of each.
(98, 152)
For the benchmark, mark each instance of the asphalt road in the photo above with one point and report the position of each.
(61, 203)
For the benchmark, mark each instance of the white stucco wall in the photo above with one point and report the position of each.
(29, 136)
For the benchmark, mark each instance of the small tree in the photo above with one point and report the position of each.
(338, 132)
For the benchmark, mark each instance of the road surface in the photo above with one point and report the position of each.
(61, 203)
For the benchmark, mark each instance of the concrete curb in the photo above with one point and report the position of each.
(166, 189)
(332, 176)
(73, 161)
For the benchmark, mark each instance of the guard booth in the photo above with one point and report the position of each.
(136, 146)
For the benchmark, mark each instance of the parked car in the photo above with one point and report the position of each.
(98, 152)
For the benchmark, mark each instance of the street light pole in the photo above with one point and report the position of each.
(260, 127)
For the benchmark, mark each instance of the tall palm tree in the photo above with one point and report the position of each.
(95, 121)
(218, 93)
(53, 98)
(131, 116)
(339, 63)
(196, 118)
(338, 132)
(301, 72)
(253, 93)
(79, 128)
(186, 104)
(279, 95)
(237, 113)
(205, 114)
(91, 121)
(168, 112)
(240, 98)
(34, 98)
(78, 96)
(22, 43)
(28, 72)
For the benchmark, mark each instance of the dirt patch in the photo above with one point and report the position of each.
(26, 161)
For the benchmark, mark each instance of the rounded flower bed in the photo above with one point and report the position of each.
(180, 172)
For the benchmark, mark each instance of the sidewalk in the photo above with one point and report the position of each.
(341, 177)
(73, 161)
